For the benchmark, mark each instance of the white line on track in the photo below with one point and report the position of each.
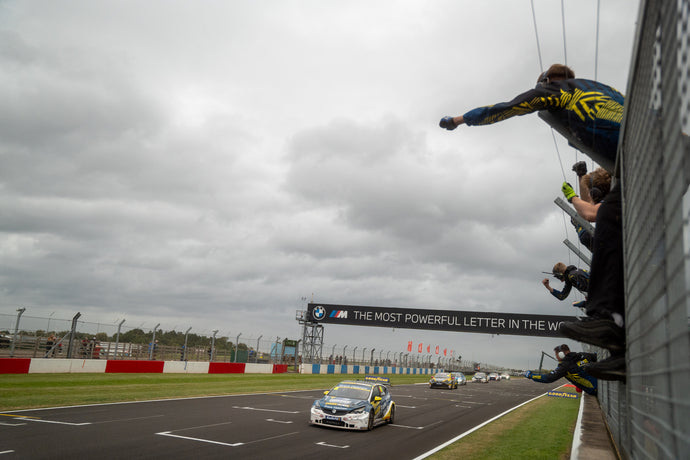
(268, 410)
(410, 427)
(12, 424)
(51, 421)
(330, 445)
(278, 421)
(167, 433)
(406, 407)
(201, 426)
(6, 452)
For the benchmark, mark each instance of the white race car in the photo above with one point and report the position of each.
(354, 405)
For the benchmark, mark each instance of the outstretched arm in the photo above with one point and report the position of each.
(550, 377)
(530, 101)
(587, 210)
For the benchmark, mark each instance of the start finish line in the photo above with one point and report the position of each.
(438, 320)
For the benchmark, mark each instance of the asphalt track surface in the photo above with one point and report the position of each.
(254, 426)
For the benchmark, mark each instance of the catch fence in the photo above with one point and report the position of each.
(649, 416)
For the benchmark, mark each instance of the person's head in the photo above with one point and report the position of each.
(556, 72)
(598, 183)
(561, 351)
(559, 270)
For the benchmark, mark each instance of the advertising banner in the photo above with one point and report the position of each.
(438, 320)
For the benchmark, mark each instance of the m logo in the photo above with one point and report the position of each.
(342, 314)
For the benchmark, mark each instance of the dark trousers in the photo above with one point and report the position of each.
(606, 293)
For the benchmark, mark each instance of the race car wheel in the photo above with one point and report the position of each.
(391, 420)
(370, 425)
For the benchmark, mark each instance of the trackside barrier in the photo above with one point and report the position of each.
(14, 365)
(134, 366)
(367, 370)
(48, 366)
(58, 366)
(226, 368)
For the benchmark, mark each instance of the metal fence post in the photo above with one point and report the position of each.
(256, 354)
(237, 345)
(213, 346)
(71, 335)
(153, 342)
(184, 351)
(16, 330)
(117, 339)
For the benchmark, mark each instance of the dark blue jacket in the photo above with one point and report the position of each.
(591, 110)
(573, 276)
(571, 368)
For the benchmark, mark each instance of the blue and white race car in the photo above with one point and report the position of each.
(355, 405)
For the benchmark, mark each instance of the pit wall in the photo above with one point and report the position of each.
(365, 370)
(70, 366)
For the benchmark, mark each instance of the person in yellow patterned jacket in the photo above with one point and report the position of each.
(572, 366)
(591, 111)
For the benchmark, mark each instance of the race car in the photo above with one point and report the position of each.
(480, 377)
(355, 405)
(459, 377)
(443, 380)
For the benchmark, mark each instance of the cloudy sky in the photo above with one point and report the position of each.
(212, 164)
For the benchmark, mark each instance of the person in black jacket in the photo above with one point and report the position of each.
(571, 276)
(571, 365)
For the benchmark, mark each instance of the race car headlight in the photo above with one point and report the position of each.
(316, 410)
(359, 410)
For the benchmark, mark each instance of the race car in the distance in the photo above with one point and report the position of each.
(355, 405)
(480, 377)
(443, 380)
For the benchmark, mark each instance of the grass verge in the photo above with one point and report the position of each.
(29, 391)
(542, 429)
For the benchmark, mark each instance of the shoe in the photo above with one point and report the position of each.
(447, 123)
(603, 333)
(612, 368)
(580, 304)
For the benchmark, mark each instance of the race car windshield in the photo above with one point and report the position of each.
(441, 376)
(351, 392)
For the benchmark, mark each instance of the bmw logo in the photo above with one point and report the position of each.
(319, 312)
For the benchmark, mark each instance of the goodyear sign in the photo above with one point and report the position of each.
(562, 394)
(438, 320)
